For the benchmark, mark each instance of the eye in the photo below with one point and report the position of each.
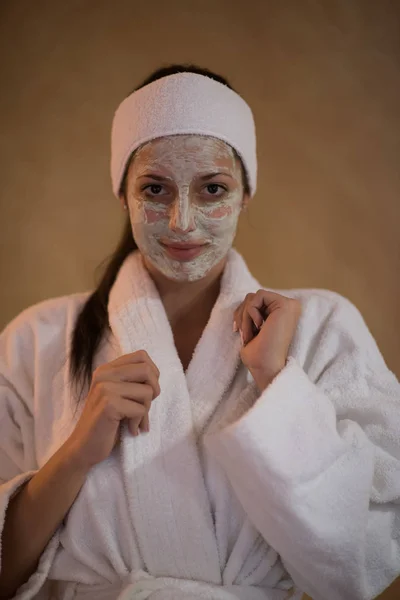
(214, 187)
(155, 189)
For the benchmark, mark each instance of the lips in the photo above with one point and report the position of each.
(182, 245)
(182, 251)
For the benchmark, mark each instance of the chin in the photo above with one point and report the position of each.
(184, 275)
(188, 271)
(182, 272)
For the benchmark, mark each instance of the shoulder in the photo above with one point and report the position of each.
(50, 315)
(320, 304)
(42, 328)
(326, 310)
(332, 328)
(323, 310)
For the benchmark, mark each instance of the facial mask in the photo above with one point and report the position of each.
(184, 208)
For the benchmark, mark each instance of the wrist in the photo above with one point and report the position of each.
(264, 377)
(71, 457)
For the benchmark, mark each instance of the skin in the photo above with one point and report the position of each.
(39, 507)
(182, 206)
(267, 323)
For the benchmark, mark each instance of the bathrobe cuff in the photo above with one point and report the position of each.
(288, 436)
(273, 455)
(304, 473)
(29, 589)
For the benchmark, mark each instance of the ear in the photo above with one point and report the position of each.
(245, 202)
(122, 199)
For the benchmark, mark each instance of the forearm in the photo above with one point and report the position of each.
(34, 515)
(305, 479)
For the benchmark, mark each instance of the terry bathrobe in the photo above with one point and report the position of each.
(233, 494)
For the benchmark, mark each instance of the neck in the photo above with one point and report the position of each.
(188, 301)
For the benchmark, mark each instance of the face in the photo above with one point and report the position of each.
(185, 194)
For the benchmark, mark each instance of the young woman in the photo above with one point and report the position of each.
(228, 441)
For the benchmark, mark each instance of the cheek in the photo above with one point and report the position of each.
(220, 221)
(152, 216)
(145, 214)
(220, 212)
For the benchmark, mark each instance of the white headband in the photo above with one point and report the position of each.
(185, 103)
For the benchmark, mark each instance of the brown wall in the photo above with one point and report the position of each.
(323, 81)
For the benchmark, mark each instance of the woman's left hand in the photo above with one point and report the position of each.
(267, 323)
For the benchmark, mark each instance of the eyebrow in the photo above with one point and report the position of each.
(203, 177)
(211, 175)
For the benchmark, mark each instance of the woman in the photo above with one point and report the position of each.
(228, 441)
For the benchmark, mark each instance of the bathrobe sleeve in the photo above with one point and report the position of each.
(316, 461)
(17, 425)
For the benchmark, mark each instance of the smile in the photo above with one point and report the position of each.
(184, 252)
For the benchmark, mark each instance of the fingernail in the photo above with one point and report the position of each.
(235, 327)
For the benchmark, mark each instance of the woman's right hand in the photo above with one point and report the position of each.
(121, 389)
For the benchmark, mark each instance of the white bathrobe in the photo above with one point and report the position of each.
(233, 494)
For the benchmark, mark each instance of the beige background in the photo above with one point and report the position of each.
(323, 79)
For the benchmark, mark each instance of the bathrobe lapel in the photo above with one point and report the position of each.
(217, 355)
(162, 471)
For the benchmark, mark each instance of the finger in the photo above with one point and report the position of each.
(249, 331)
(133, 426)
(135, 358)
(126, 409)
(142, 393)
(141, 373)
(137, 392)
(256, 317)
(267, 299)
(236, 317)
(240, 310)
(137, 395)
(132, 412)
(144, 425)
(140, 425)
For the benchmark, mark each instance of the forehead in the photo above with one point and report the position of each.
(186, 150)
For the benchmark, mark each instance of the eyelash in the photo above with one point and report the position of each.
(159, 185)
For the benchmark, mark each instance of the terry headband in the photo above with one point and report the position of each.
(185, 103)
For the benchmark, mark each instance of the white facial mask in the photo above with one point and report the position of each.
(183, 209)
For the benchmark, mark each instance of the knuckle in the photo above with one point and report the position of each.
(147, 370)
(295, 303)
(97, 387)
(141, 410)
(142, 354)
(97, 372)
(295, 306)
(108, 408)
(149, 394)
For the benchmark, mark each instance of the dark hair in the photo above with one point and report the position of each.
(92, 322)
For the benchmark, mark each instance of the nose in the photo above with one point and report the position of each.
(182, 218)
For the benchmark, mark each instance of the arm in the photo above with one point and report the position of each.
(33, 502)
(33, 516)
(316, 464)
